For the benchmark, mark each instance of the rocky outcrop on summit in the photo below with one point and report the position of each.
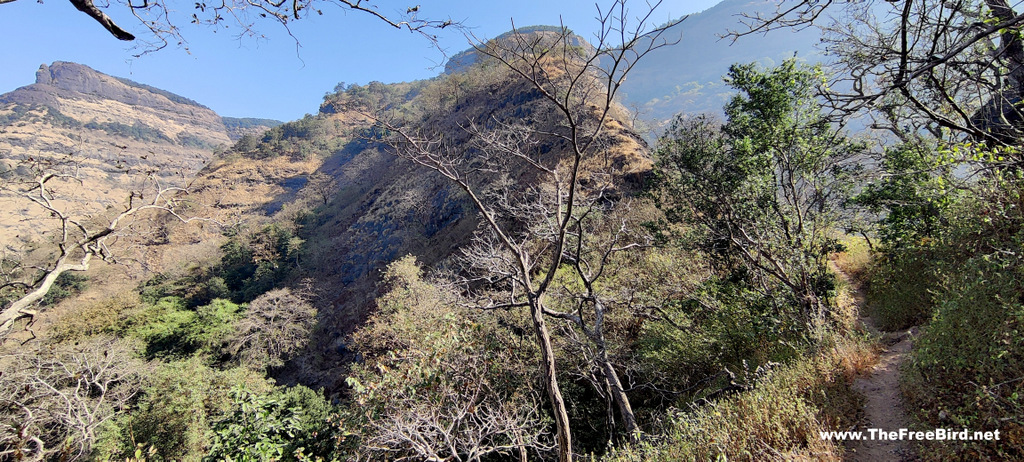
(71, 80)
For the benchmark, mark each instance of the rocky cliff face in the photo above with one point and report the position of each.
(79, 99)
(108, 131)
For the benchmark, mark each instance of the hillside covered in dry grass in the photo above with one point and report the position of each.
(492, 264)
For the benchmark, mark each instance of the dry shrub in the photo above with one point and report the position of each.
(856, 259)
(56, 398)
(780, 419)
(276, 326)
(108, 316)
(851, 268)
(855, 357)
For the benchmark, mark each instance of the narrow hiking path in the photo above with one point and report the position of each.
(883, 406)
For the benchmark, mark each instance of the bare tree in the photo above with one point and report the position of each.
(321, 187)
(53, 400)
(953, 69)
(276, 325)
(161, 18)
(596, 237)
(440, 382)
(526, 230)
(78, 236)
(466, 424)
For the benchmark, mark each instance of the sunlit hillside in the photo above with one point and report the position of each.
(645, 243)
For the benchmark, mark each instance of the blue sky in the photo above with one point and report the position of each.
(269, 77)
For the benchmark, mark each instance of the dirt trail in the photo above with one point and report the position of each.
(883, 407)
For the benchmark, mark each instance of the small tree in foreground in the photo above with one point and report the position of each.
(767, 188)
(53, 400)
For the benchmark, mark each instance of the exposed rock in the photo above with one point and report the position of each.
(107, 127)
(43, 75)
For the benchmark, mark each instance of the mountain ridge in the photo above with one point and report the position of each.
(687, 77)
(103, 128)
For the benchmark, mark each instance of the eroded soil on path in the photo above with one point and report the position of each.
(883, 407)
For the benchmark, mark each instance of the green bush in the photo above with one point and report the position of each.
(967, 365)
(171, 330)
(176, 410)
(199, 287)
(765, 189)
(898, 291)
(722, 324)
(252, 265)
(287, 424)
(950, 258)
(911, 195)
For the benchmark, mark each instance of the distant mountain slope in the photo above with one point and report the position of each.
(105, 126)
(238, 127)
(687, 77)
(463, 60)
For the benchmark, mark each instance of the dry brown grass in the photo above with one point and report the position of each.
(856, 259)
(106, 316)
(855, 357)
(778, 420)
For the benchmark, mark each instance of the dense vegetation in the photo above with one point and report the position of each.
(955, 266)
(705, 314)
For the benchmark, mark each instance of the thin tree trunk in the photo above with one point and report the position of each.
(614, 384)
(619, 395)
(521, 447)
(564, 434)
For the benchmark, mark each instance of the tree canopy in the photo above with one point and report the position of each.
(162, 18)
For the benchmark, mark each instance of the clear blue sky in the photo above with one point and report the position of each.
(266, 78)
